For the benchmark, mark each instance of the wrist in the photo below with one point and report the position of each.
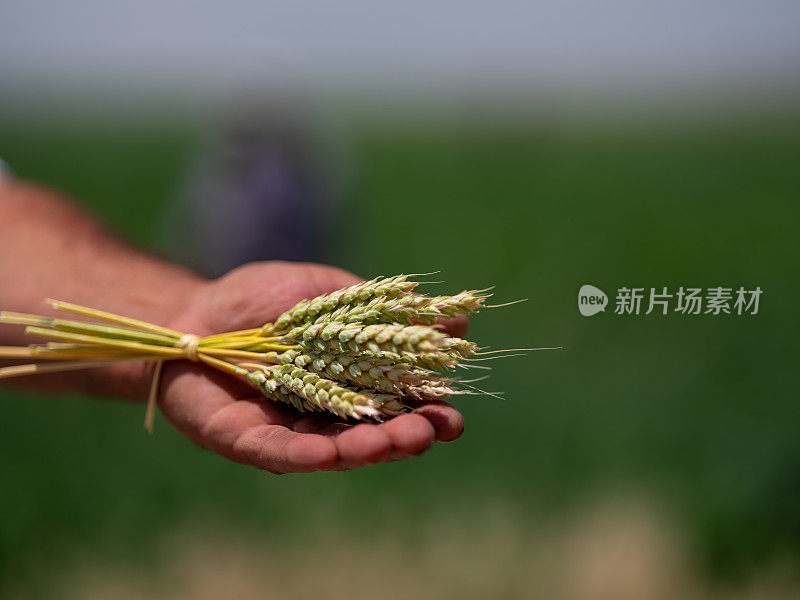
(75, 259)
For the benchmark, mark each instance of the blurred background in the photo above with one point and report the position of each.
(535, 146)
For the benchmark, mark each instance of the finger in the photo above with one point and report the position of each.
(411, 433)
(364, 444)
(363, 447)
(447, 422)
(278, 449)
(335, 429)
(320, 279)
(223, 427)
(311, 423)
(271, 288)
(456, 327)
(357, 451)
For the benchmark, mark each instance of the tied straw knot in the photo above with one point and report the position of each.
(189, 344)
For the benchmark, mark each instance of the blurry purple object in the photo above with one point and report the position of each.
(263, 191)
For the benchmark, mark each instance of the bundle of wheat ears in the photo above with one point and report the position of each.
(359, 352)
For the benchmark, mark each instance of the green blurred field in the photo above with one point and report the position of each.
(699, 413)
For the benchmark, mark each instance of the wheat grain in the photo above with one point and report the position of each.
(325, 394)
(389, 287)
(356, 337)
(405, 309)
(375, 373)
(357, 352)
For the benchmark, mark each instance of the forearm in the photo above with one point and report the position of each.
(49, 247)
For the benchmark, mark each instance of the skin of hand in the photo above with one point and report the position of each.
(234, 420)
(76, 259)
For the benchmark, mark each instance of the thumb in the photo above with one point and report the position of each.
(256, 293)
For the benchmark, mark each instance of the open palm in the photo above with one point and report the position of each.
(234, 420)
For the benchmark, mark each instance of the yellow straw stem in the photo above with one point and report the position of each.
(15, 318)
(223, 365)
(232, 344)
(254, 366)
(275, 347)
(152, 398)
(99, 341)
(88, 328)
(106, 316)
(227, 353)
(57, 350)
(63, 347)
(242, 332)
(15, 352)
(101, 354)
(34, 369)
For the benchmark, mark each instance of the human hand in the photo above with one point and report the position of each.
(235, 421)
